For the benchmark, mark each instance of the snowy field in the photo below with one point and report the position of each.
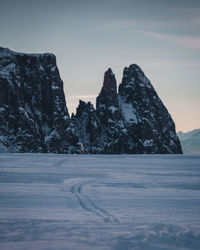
(99, 202)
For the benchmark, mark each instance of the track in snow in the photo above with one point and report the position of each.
(87, 204)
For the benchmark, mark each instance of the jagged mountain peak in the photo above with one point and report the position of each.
(88, 127)
(134, 69)
(84, 107)
(133, 76)
(134, 120)
(108, 94)
(35, 117)
(109, 82)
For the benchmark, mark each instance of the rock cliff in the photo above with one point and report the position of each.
(34, 116)
(133, 120)
(33, 112)
(149, 126)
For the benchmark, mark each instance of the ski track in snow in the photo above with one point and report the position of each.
(87, 204)
(107, 202)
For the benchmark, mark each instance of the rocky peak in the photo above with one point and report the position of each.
(84, 107)
(109, 82)
(132, 71)
(132, 121)
(134, 80)
(145, 116)
(88, 127)
(108, 94)
(34, 116)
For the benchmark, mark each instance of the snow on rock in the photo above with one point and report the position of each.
(107, 107)
(128, 112)
(88, 127)
(32, 105)
(146, 118)
(134, 120)
(34, 116)
(112, 109)
(148, 143)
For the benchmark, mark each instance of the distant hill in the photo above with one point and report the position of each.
(190, 141)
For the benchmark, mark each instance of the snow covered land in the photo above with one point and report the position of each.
(117, 202)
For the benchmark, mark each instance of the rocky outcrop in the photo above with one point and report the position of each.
(89, 128)
(33, 112)
(132, 121)
(34, 116)
(107, 107)
(149, 126)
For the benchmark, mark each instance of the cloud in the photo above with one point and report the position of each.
(192, 42)
(72, 101)
(171, 63)
(116, 1)
(190, 10)
(118, 25)
(145, 23)
(196, 20)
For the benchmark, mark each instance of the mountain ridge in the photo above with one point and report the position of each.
(133, 119)
(35, 117)
(190, 141)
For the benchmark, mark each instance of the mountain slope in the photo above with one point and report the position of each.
(190, 141)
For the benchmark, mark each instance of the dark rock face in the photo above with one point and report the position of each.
(133, 121)
(107, 107)
(34, 116)
(89, 128)
(33, 112)
(108, 94)
(149, 126)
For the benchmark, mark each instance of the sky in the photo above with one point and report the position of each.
(89, 36)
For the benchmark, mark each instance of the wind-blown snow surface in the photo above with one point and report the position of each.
(99, 202)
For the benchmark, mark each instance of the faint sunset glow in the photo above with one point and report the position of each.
(88, 37)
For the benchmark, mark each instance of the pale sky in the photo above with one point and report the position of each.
(89, 36)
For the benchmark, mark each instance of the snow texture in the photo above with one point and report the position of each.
(50, 201)
(128, 112)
